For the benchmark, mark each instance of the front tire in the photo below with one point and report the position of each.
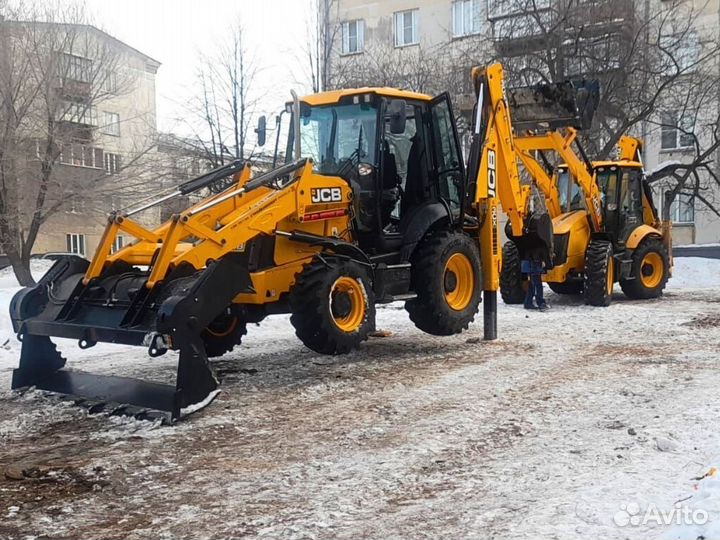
(332, 306)
(513, 285)
(224, 333)
(446, 278)
(651, 270)
(599, 273)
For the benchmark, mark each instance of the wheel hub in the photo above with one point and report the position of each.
(451, 281)
(341, 305)
(651, 270)
(458, 281)
(348, 303)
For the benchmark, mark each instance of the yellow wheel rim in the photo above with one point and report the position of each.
(651, 270)
(226, 331)
(610, 276)
(348, 303)
(459, 281)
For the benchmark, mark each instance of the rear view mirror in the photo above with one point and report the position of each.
(398, 116)
(261, 130)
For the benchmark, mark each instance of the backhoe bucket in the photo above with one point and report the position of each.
(119, 308)
(556, 105)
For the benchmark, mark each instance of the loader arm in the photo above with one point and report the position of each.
(195, 269)
(560, 143)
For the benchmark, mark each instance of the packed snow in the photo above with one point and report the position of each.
(577, 423)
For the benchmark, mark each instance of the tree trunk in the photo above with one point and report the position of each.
(21, 267)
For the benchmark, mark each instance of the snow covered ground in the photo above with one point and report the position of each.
(576, 423)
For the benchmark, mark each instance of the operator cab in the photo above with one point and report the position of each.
(627, 203)
(400, 153)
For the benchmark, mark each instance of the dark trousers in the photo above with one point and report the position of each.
(535, 290)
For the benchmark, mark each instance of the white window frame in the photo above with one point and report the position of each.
(110, 84)
(75, 243)
(675, 214)
(111, 162)
(686, 47)
(76, 68)
(347, 44)
(111, 123)
(465, 16)
(399, 27)
(118, 243)
(673, 122)
(79, 113)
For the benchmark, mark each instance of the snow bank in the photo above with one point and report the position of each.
(695, 273)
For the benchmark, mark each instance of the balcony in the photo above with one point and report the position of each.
(518, 29)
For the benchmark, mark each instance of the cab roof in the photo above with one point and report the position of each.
(334, 96)
(618, 163)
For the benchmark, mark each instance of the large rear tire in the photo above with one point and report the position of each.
(566, 287)
(446, 278)
(224, 333)
(333, 306)
(513, 285)
(599, 274)
(650, 271)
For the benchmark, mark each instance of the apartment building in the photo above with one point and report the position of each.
(391, 42)
(101, 93)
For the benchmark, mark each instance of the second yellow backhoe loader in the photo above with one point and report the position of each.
(373, 205)
(606, 227)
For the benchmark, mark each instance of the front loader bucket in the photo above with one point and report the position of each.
(554, 105)
(118, 308)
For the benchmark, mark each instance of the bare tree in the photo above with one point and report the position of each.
(227, 100)
(322, 32)
(54, 71)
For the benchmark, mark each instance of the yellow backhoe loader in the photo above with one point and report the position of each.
(606, 227)
(374, 205)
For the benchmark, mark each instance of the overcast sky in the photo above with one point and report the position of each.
(174, 31)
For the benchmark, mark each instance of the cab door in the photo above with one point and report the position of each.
(448, 166)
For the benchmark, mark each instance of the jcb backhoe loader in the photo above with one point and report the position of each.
(375, 205)
(606, 227)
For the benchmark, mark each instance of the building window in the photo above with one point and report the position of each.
(110, 84)
(682, 209)
(79, 113)
(112, 163)
(79, 155)
(465, 17)
(118, 243)
(681, 52)
(75, 243)
(406, 28)
(676, 132)
(353, 36)
(76, 68)
(111, 124)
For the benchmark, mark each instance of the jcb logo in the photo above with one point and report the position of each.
(326, 195)
(491, 173)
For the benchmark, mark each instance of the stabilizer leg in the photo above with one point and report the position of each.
(196, 382)
(39, 359)
(490, 314)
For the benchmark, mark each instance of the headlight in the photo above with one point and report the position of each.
(365, 169)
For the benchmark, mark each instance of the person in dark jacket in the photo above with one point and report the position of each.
(534, 266)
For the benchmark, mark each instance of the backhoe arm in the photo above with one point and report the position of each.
(493, 179)
(561, 143)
